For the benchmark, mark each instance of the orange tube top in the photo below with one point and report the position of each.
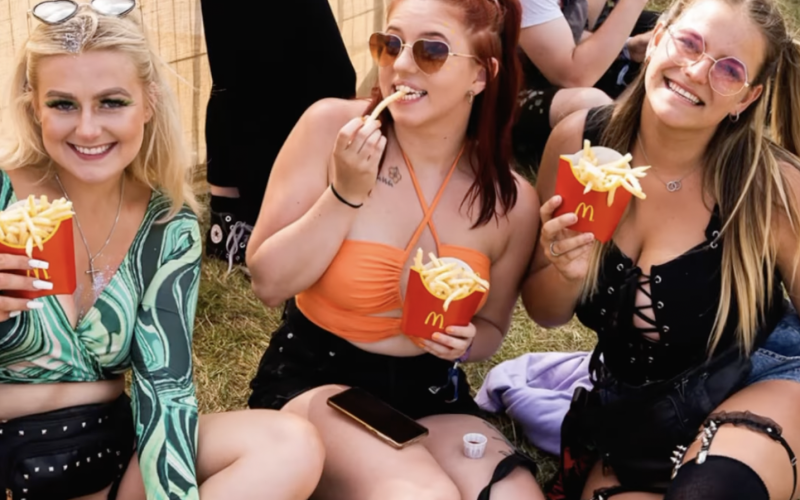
(364, 280)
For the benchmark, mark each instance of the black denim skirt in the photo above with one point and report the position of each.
(302, 356)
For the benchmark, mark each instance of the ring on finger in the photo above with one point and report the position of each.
(552, 250)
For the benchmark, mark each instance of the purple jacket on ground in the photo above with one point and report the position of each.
(536, 390)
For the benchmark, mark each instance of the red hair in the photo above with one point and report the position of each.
(493, 28)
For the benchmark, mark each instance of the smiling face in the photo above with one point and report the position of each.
(93, 110)
(682, 96)
(438, 94)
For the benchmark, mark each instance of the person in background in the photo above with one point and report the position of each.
(92, 119)
(252, 111)
(576, 55)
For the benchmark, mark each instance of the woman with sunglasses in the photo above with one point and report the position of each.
(694, 330)
(349, 203)
(92, 119)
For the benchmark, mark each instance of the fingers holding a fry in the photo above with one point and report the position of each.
(356, 157)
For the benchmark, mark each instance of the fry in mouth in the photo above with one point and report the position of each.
(380, 107)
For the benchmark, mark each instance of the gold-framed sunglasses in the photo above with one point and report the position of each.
(727, 76)
(429, 55)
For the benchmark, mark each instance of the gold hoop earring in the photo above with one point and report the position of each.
(470, 97)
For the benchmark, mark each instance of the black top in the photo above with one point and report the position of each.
(685, 294)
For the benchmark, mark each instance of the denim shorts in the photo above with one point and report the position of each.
(779, 357)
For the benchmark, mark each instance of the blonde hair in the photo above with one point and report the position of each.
(743, 171)
(163, 163)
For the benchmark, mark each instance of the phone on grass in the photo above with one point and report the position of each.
(385, 422)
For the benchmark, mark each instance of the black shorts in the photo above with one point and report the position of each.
(532, 128)
(67, 453)
(302, 356)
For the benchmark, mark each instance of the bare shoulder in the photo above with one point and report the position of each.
(328, 116)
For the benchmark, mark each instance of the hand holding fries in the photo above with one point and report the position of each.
(13, 270)
(450, 281)
(357, 154)
(36, 251)
(441, 298)
(588, 182)
(567, 250)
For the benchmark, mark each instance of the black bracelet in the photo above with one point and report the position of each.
(343, 200)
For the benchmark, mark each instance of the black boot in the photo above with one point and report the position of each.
(227, 238)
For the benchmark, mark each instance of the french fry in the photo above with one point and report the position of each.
(448, 281)
(610, 176)
(380, 107)
(30, 223)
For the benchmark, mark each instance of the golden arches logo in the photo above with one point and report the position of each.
(435, 317)
(586, 208)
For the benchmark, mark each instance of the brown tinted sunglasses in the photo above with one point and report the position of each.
(429, 55)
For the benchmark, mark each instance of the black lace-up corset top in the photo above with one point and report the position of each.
(681, 307)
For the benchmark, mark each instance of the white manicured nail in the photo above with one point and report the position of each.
(38, 264)
(42, 285)
(14, 314)
(32, 304)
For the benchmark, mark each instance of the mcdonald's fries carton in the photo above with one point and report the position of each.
(43, 231)
(588, 183)
(444, 292)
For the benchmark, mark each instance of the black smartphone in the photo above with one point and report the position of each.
(385, 422)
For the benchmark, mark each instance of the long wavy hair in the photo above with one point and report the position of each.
(742, 171)
(493, 28)
(163, 163)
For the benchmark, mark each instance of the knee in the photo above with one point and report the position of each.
(718, 478)
(294, 438)
(439, 489)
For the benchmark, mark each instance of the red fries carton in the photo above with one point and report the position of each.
(442, 293)
(588, 183)
(44, 233)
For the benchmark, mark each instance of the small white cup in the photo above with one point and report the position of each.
(474, 445)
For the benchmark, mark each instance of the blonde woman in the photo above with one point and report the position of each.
(93, 120)
(688, 299)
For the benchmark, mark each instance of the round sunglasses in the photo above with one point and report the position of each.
(60, 11)
(727, 76)
(429, 55)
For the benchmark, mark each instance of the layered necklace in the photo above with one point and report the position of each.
(672, 186)
(92, 271)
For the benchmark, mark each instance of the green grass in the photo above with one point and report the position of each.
(233, 329)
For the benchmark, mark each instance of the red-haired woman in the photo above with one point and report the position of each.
(349, 203)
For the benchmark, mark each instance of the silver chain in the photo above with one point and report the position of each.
(91, 270)
(671, 186)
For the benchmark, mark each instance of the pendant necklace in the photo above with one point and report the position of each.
(672, 186)
(92, 271)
